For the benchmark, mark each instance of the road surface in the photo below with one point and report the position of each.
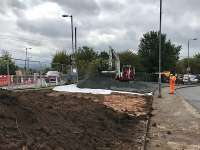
(192, 94)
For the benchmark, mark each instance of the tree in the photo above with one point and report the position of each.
(128, 58)
(86, 54)
(197, 55)
(182, 65)
(6, 64)
(149, 52)
(84, 57)
(104, 55)
(103, 58)
(60, 61)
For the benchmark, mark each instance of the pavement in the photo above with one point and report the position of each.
(174, 125)
(192, 95)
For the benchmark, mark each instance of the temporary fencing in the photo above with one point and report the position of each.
(32, 74)
(5, 80)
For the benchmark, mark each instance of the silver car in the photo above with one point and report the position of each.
(190, 79)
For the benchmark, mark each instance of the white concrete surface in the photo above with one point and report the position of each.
(74, 89)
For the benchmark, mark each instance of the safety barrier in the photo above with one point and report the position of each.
(33, 81)
(5, 80)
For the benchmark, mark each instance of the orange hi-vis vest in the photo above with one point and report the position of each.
(172, 84)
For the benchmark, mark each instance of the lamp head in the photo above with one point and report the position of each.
(66, 15)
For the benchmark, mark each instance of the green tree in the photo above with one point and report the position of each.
(195, 65)
(87, 54)
(197, 55)
(103, 58)
(149, 52)
(104, 55)
(182, 65)
(5, 63)
(84, 57)
(128, 58)
(60, 61)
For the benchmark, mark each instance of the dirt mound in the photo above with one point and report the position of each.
(7, 98)
(45, 120)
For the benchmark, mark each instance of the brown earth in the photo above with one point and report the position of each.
(46, 120)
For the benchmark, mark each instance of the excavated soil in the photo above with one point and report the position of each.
(46, 120)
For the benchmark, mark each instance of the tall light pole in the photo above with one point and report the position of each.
(72, 30)
(26, 59)
(75, 31)
(188, 67)
(160, 51)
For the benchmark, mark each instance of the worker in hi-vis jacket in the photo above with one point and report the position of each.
(172, 83)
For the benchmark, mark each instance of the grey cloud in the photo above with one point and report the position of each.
(52, 28)
(111, 6)
(16, 4)
(79, 7)
(4, 6)
(9, 5)
(114, 17)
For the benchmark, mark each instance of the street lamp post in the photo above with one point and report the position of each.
(188, 67)
(75, 30)
(160, 47)
(72, 30)
(26, 60)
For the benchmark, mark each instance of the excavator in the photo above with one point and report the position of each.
(126, 73)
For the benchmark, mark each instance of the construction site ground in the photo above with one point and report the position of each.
(106, 82)
(175, 124)
(48, 120)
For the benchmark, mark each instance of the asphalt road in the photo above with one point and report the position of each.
(192, 94)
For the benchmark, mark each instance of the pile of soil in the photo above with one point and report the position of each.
(46, 120)
(107, 82)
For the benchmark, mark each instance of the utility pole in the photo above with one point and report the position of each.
(26, 60)
(75, 39)
(76, 51)
(72, 30)
(160, 51)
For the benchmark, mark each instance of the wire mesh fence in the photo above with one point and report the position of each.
(146, 77)
(19, 73)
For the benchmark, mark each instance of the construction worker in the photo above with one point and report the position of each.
(172, 83)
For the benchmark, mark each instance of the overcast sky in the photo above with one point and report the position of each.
(120, 23)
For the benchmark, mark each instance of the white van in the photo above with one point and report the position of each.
(52, 75)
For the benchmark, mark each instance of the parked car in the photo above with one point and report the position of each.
(52, 76)
(190, 79)
(198, 77)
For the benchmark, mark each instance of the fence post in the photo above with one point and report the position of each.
(40, 74)
(8, 72)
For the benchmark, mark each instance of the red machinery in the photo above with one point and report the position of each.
(127, 73)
